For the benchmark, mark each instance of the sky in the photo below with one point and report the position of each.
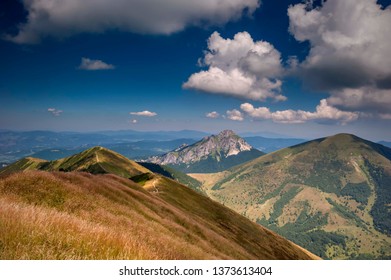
(297, 68)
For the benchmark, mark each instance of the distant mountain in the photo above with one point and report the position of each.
(268, 145)
(33, 140)
(135, 150)
(331, 195)
(385, 143)
(154, 135)
(266, 134)
(104, 215)
(53, 145)
(132, 144)
(211, 154)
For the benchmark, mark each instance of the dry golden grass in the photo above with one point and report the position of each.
(82, 216)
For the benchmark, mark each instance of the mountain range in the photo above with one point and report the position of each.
(100, 205)
(211, 154)
(269, 145)
(385, 143)
(51, 145)
(331, 195)
(135, 150)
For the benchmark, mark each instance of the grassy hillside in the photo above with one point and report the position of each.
(77, 215)
(96, 160)
(330, 195)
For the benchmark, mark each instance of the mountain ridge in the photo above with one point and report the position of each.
(96, 160)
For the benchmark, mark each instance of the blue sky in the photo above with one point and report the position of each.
(297, 68)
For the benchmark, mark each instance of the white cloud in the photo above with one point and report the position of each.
(365, 99)
(385, 116)
(91, 64)
(54, 18)
(215, 80)
(240, 68)
(212, 115)
(55, 112)
(235, 115)
(350, 55)
(256, 113)
(143, 114)
(324, 113)
(134, 121)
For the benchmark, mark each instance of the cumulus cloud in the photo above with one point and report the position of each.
(366, 99)
(324, 113)
(239, 68)
(143, 114)
(92, 64)
(55, 112)
(235, 115)
(212, 115)
(350, 55)
(385, 116)
(54, 18)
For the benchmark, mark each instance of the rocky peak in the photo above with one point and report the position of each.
(222, 145)
(231, 143)
(226, 133)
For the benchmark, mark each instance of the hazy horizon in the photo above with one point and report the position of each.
(265, 134)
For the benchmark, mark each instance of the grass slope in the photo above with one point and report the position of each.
(330, 195)
(77, 215)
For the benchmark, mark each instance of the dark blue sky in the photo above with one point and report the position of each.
(43, 84)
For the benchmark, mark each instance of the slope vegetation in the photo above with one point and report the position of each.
(83, 216)
(330, 195)
(80, 215)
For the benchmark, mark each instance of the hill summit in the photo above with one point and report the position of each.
(211, 154)
(96, 160)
